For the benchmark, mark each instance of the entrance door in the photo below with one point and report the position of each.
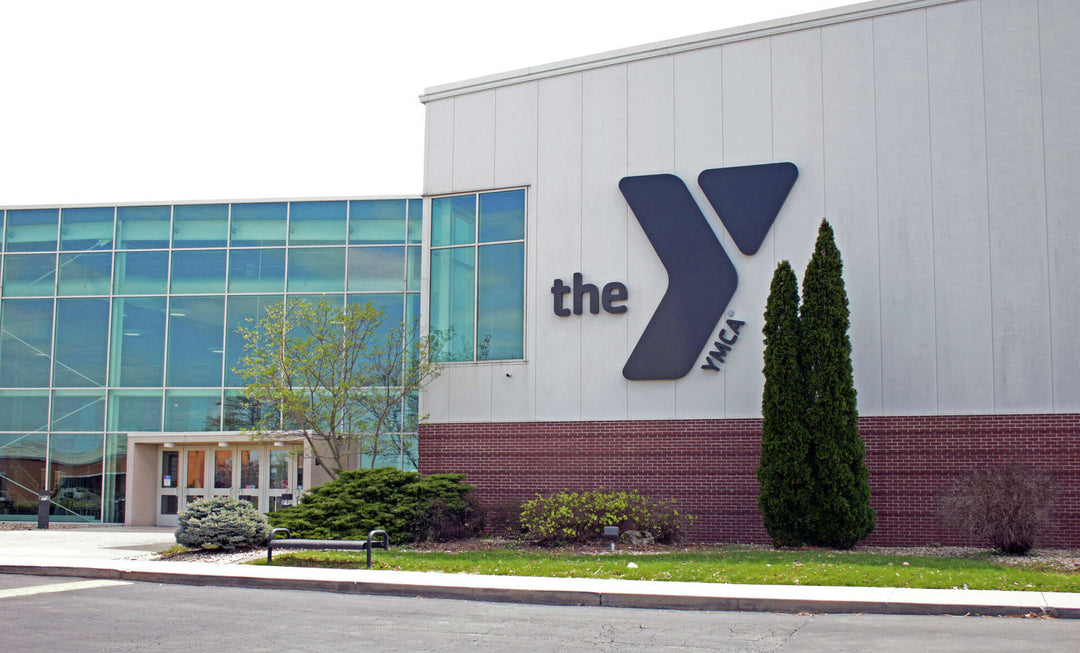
(182, 478)
(268, 477)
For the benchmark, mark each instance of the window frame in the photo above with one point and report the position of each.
(475, 245)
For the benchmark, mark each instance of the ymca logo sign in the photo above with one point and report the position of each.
(701, 277)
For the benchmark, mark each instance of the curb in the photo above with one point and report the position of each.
(579, 592)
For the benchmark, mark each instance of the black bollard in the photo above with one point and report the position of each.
(43, 509)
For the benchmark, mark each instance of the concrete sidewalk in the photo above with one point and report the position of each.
(106, 553)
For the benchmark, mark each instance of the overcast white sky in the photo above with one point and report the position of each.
(115, 101)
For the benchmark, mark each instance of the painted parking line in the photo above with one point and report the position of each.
(59, 587)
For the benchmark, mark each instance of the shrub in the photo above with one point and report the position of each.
(1006, 507)
(784, 473)
(572, 517)
(840, 514)
(409, 507)
(221, 523)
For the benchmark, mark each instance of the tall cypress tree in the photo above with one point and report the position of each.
(840, 514)
(784, 471)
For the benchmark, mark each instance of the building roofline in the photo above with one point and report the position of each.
(256, 200)
(682, 44)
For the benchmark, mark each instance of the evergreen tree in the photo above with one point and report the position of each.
(784, 471)
(840, 514)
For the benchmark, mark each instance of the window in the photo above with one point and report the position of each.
(478, 276)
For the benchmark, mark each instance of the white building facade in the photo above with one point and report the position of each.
(938, 139)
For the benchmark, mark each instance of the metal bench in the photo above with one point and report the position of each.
(318, 545)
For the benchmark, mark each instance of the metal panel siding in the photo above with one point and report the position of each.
(516, 126)
(515, 135)
(470, 393)
(965, 357)
(798, 137)
(558, 219)
(747, 140)
(439, 148)
(650, 149)
(905, 215)
(604, 225)
(847, 66)
(699, 144)
(939, 142)
(1018, 256)
(1059, 23)
(474, 141)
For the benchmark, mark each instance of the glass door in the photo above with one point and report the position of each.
(281, 486)
(182, 478)
(195, 462)
(168, 504)
(249, 470)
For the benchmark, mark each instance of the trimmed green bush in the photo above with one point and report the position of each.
(221, 523)
(575, 517)
(840, 514)
(784, 471)
(409, 507)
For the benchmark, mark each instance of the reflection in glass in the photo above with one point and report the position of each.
(412, 269)
(85, 274)
(170, 468)
(25, 342)
(376, 222)
(200, 225)
(453, 220)
(223, 468)
(258, 225)
(24, 410)
(142, 227)
(452, 279)
(137, 354)
(86, 228)
(500, 306)
(389, 303)
(134, 410)
(257, 270)
(29, 275)
(31, 230)
(195, 341)
(240, 309)
(249, 469)
(114, 488)
(316, 269)
(198, 271)
(75, 475)
(82, 340)
(279, 469)
(196, 469)
(169, 504)
(78, 410)
(376, 268)
(141, 273)
(416, 221)
(22, 472)
(502, 216)
(317, 223)
(192, 410)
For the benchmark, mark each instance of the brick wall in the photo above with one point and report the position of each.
(708, 466)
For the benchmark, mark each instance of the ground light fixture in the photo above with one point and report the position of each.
(612, 534)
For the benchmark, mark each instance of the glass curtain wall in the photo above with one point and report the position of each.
(120, 319)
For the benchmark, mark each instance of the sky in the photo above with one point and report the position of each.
(120, 101)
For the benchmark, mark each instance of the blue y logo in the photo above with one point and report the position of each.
(701, 276)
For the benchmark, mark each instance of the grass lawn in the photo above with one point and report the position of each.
(718, 565)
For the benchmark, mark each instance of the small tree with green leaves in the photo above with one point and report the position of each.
(337, 376)
(784, 471)
(840, 514)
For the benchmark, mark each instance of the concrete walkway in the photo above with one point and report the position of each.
(108, 553)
